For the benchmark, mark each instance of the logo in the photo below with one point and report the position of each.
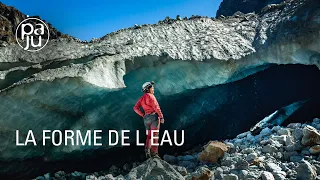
(32, 34)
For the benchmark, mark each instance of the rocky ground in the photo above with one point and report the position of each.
(277, 152)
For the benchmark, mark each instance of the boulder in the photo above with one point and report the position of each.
(232, 148)
(230, 177)
(311, 136)
(294, 147)
(185, 163)
(201, 173)
(251, 157)
(315, 149)
(294, 125)
(247, 150)
(108, 177)
(213, 151)
(242, 174)
(253, 175)
(297, 134)
(170, 159)
(241, 164)
(228, 161)
(305, 171)
(180, 169)
(289, 141)
(265, 175)
(279, 177)
(281, 139)
(295, 158)
(154, 168)
(272, 167)
(269, 149)
(188, 158)
(316, 122)
(284, 131)
(266, 131)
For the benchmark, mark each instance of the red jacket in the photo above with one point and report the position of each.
(149, 104)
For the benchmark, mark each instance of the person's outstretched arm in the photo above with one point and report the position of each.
(136, 108)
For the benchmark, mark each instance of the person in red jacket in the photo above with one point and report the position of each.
(152, 117)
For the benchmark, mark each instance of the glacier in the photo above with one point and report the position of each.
(207, 72)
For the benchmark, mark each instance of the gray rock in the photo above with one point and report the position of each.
(230, 177)
(306, 171)
(294, 147)
(305, 152)
(289, 141)
(269, 149)
(242, 174)
(251, 157)
(266, 131)
(315, 149)
(280, 172)
(311, 136)
(253, 175)
(281, 139)
(294, 125)
(188, 158)
(247, 150)
(47, 176)
(315, 122)
(272, 167)
(241, 164)
(109, 177)
(119, 177)
(60, 174)
(91, 177)
(228, 161)
(180, 158)
(284, 131)
(265, 175)
(182, 170)
(297, 134)
(279, 177)
(170, 159)
(191, 166)
(232, 149)
(226, 169)
(154, 168)
(242, 135)
(296, 158)
(317, 167)
(218, 176)
(184, 163)
(200, 173)
(77, 174)
(276, 128)
(126, 167)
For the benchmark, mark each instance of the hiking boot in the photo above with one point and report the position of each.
(155, 155)
(147, 152)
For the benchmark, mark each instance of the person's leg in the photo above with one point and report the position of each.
(148, 140)
(155, 125)
(147, 123)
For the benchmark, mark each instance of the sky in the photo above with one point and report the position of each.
(85, 19)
